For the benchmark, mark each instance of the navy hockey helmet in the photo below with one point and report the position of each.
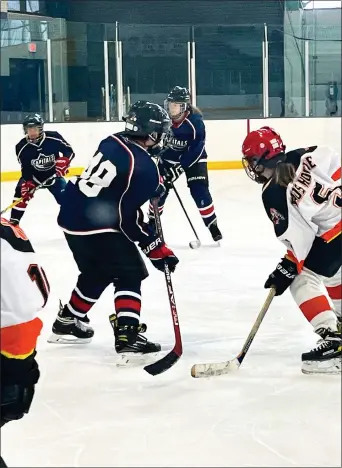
(177, 95)
(147, 120)
(33, 121)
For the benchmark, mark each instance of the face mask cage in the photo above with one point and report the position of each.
(250, 166)
(40, 132)
(183, 106)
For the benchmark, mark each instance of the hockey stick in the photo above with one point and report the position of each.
(172, 357)
(39, 186)
(192, 244)
(220, 368)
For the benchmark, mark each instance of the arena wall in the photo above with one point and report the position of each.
(224, 139)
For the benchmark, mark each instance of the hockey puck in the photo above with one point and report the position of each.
(195, 244)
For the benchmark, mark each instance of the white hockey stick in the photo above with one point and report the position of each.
(220, 368)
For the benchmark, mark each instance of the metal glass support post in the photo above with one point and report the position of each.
(307, 78)
(49, 78)
(193, 74)
(106, 77)
(265, 74)
(189, 65)
(119, 79)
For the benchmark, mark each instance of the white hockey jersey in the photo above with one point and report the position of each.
(311, 205)
(24, 292)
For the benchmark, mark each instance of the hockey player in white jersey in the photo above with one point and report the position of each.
(24, 292)
(302, 197)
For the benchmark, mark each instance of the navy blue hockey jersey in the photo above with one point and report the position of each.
(38, 160)
(187, 144)
(108, 195)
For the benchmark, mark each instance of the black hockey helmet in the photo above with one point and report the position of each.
(178, 95)
(147, 119)
(33, 121)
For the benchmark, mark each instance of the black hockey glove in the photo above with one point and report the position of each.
(159, 254)
(17, 391)
(171, 174)
(282, 276)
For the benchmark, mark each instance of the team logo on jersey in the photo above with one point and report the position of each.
(43, 162)
(178, 145)
(276, 216)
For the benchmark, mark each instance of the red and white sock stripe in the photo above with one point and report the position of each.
(207, 211)
(127, 305)
(80, 304)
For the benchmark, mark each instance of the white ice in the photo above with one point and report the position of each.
(89, 413)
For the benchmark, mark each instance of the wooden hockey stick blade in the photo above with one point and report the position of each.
(225, 367)
(164, 363)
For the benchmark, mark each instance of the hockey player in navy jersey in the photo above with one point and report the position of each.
(41, 154)
(102, 219)
(186, 153)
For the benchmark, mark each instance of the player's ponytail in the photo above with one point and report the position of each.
(284, 173)
(194, 110)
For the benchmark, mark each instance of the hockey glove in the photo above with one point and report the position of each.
(17, 389)
(27, 190)
(282, 276)
(159, 254)
(171, 174)
(161, 189)
(62, 166)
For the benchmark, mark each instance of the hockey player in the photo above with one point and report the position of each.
(41, 154)
(302, 197)
(102, 219)
(186, 153)
(24, 292)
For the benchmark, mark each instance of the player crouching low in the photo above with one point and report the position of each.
(302, 197)
(102, 219)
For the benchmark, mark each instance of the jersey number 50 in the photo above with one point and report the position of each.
(97, 176)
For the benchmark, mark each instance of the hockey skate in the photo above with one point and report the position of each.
(326, 358)
(130, 345)
(68, 329)
(215, 232)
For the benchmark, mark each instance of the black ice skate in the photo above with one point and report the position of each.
(215, 232)
(68, 329)
(129, 341)
(326, 358)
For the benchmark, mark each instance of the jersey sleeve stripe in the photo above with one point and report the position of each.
(19, 341)
(131, 169)
(336, 175)
(193, 128)
(333, 232)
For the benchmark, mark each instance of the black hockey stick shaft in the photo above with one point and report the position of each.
(256, 325)
(185, 212)
(172, 357)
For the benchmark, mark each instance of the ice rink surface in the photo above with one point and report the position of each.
(89, 413)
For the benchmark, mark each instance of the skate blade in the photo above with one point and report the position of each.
(135, 359)
(67, 339)
(332, 367)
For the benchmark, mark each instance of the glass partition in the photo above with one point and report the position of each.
(325, 78)
(229, 71)
(155, 59)
(71, 71)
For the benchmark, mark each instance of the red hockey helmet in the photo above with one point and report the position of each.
(261, 149)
